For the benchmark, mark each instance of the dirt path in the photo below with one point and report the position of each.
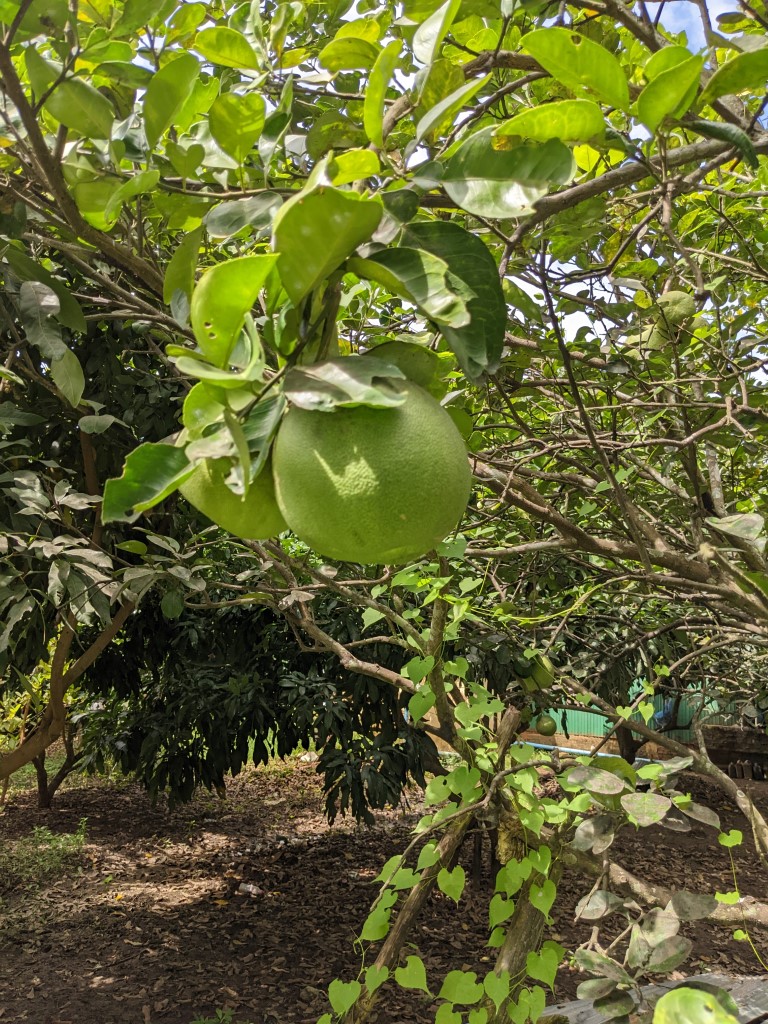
(153, 925)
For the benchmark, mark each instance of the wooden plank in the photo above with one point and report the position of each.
(750, 995)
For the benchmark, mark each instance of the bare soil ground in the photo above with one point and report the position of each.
(150, 925)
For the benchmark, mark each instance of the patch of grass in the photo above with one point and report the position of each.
(39, 856)
(25, 779)
(222, 1017)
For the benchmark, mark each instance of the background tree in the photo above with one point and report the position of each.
(548, 197)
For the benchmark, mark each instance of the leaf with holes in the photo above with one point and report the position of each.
(580, 64)
(691, 1006)
(222, 298)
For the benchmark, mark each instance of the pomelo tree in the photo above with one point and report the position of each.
(564, 205)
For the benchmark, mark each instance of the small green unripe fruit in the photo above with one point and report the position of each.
(545, 725)
(254, 517)
(543, 673)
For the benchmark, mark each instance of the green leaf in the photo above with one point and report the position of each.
(236, 122)
(478, 1016)
(94, 198)
(747, 526)
(97, 424)
(452, 882)
(376, 91)
(221, 299)
(418, 668)
(375, 977)
(37, 304)
(691, 1006)
(692, 906)
(72, 102)
(500, 909)
(315, 231)
(497, 987)
(669, 93)
(595, 780)
(420, 277)
(428, 856)
(349, 54)
(730, 133)
(664, 59)
(180, 271)
(437, 790)
(353, 165)
(543, 896)
(389, 868)
(432, 31)
(276, 125)
(646, 808)
(447, 1015)
(478, 344)
(730, 839)
(377, 925)
(566, 120)
(144, 181)
(496, 183)
(166, 94)
(421, 702)
(26, 269)
(343, 995)
(542, 966)
(256, 212)
(529, 1006)
(461, 987)
(172, 604)
(669, 954)
(140, 13)
(580, 64)
(345, 383)
(226, 47)
(151, 472)
(604, 966)
(446, 109)
(412, 975)
(77, 105)
(68, 376)
(747, 72)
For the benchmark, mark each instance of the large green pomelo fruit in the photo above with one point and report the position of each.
(254, 518)
(372, 485)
